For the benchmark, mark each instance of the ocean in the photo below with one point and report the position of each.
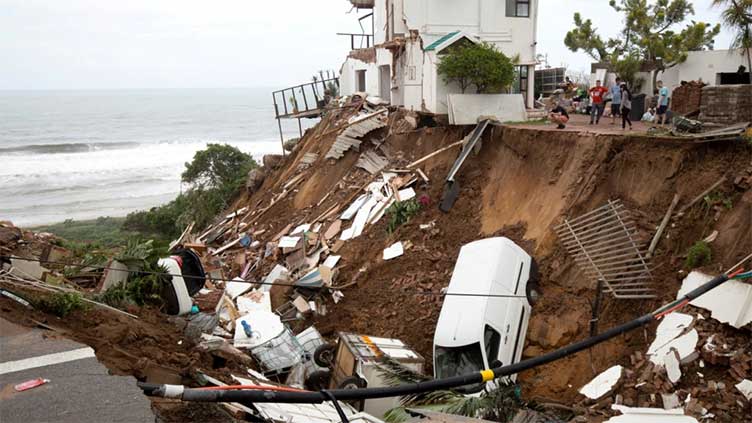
(85, 154)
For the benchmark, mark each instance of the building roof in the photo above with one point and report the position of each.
(449, 39)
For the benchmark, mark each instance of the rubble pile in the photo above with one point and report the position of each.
(686, 99)
(726, 104)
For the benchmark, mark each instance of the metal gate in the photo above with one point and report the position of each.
(605, 244)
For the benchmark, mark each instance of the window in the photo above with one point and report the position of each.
(360, 84)
(522, 8)
(492, 339)
(456, 361)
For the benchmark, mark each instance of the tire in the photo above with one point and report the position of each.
(324, 355)
(532, 292)
(352, 382)
(318, 380)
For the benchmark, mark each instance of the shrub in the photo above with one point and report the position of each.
(62, 304)
(699, 255)
(400, 213)
(481, 65)
(142, 288)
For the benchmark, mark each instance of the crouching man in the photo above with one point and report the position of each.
(559, 116)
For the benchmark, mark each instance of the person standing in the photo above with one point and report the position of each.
(596, 101)
(615, 92)
(662, 104)
(626, 106)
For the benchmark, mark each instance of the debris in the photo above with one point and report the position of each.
(307, 160)
(729, 303)
(30, 384)
(406, 194)
(435, 153)
(745, 387)
(301, 304)
(254, 180)
(652, 415)
(662, 227)
(672, 334)
(289, 242)
(264, 325)
(237, 287)
(429, 225)
(333, 230)
(302, 229)
(359, 126)
(15, 298)
(371, 162)
(27, 268)
(228, 246)
(702, 195)
(603, 383)
(255, 301)
(349, 213)
(395, 250)
(337, 296)
(673, 369)
(279, 272)
(331, 261)
(670, 401)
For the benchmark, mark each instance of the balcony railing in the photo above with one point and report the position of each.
(305, 100)
(358, 40)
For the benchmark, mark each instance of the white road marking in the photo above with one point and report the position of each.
(45, 360)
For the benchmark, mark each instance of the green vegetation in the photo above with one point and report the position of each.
(106, 231)
(62, 304)
(400, 213)
(737, 16)
(214, 177)
(699, 255)
(481, 65)
(649, 37)
(142, 288)
(718, 198)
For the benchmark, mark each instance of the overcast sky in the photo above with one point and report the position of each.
(74, 44)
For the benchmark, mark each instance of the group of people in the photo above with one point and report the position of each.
(621, 105)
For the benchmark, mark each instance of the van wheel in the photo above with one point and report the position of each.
(352, 382)
(318, 380)
(324, 355)
(532, 292)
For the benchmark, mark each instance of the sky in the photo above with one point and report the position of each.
(107, 44)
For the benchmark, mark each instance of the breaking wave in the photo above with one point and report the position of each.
(67, 148)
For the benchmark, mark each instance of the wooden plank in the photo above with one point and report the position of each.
(662, 227)
(435, 153)
(702, 195)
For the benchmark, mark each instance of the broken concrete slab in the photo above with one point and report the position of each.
(333, 230)
(237, 287)
(603, 383)
(745, 387)
(673, 333)
(393, 251)
(731, 302)
(652, 415)
(27, 269)
(254, 301)
(673, 366)
(115, 274)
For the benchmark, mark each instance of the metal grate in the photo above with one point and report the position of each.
(604, 243)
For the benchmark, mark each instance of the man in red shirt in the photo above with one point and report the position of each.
(597, 102)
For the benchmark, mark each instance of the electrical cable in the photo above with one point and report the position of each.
(438, 384)
(213, 279)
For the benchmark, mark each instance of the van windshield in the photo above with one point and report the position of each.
(455, 361)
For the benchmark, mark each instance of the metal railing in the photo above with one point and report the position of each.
(305, 100)
(364, 40)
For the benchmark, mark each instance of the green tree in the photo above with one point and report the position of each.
(650, 33)
(218, 166)
(480, 64)
(738, 17)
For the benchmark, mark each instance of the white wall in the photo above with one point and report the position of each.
(348, 73)
(703, 65)
(485, 19)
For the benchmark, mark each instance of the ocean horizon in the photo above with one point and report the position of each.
(83, 154)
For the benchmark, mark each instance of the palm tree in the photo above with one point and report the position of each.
(738, 16)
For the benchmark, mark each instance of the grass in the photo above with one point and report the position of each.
(541, 121)
(104, 232)
(699, 255)
(401, 212)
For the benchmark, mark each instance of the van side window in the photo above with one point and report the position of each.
(491, 340)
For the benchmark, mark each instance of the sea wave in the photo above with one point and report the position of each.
(76, 147)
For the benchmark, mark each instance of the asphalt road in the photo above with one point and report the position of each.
(80, 388)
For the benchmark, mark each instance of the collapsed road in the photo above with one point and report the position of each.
(355, 243)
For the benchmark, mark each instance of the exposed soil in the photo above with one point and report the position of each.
(524, 181)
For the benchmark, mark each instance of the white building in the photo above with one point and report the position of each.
(409, 36)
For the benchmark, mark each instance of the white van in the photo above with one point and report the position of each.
(488, 330)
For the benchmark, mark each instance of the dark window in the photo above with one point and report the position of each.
(455, 361)
(492, 339)
(522, 8)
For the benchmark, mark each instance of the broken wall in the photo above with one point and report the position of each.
(726, 104)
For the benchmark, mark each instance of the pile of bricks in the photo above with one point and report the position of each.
(726, 104)
(686, 99)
